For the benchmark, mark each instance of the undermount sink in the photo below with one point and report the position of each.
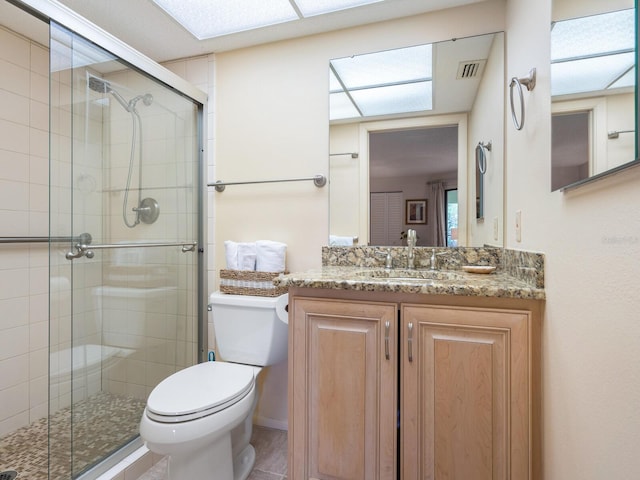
(410, 274)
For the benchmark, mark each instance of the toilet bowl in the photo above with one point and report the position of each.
(201, 417)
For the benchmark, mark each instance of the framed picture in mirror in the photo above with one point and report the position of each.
(416, 211)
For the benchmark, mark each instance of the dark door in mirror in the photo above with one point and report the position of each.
(570, 150)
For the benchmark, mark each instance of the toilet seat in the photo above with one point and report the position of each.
(199, 391)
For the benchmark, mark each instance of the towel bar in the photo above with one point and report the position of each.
(318, 181)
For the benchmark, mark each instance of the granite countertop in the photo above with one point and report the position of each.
(368, 280)
(502, 283)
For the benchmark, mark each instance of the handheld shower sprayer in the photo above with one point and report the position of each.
(147, 210)
(147, 99)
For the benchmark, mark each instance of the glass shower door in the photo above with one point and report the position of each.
(124, 203)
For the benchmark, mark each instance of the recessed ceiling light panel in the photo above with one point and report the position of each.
(310, 8)
(214, 18)
(594, 53)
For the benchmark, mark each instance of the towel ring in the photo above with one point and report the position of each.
(481, 156)
(530, 83)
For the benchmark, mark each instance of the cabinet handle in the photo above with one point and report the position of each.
(387, 327)
(410, 340)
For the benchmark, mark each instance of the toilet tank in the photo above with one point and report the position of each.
(250, 330)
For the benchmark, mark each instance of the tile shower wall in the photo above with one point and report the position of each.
(24, 176)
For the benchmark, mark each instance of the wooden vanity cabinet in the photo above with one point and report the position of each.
(342, 396)
(454, 399)
(465, 387)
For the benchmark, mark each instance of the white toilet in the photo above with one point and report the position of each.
(201, 417)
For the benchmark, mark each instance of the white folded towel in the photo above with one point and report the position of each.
(270, 256)
(247, 255)
(231, 254)
(240, 255)
(338, 241)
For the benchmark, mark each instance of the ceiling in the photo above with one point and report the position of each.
(147, 28)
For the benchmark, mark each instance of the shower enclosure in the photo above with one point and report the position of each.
(123, 304)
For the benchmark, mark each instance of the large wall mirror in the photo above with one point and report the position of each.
(404, 127)
(593, 81)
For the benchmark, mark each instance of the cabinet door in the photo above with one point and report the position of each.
(342, 380)
(465, 389)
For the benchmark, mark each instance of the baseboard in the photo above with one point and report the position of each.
(270, 423)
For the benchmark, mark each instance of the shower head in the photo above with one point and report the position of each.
(99, 85)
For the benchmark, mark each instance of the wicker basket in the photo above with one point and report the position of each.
(249, 282)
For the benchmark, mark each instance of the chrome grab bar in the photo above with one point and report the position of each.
(83, 250)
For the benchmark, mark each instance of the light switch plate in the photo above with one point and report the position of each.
(495, 228)
(518, 225)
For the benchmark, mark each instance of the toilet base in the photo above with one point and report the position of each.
(214, 463)
(243, 463)
(215, 466)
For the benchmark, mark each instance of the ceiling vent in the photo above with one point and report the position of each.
(470, 69)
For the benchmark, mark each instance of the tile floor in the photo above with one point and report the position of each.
(271, 454)
(271, 457)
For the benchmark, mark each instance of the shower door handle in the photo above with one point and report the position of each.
(70, 255)
(83, 250)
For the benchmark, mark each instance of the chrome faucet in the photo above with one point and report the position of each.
(388, 263)
(411, 242)
(432, 261)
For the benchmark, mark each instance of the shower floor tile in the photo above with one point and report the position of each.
(101, 424)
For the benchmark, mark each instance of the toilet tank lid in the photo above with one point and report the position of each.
(219, 298)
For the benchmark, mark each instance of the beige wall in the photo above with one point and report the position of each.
(591, 241)
(344, 178)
